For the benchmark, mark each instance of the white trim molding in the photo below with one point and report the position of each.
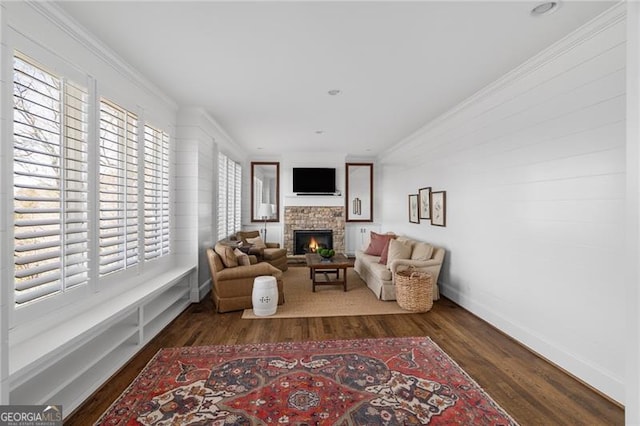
(607, 19)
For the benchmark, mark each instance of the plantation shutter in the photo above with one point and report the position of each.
(156, 193)
(118, 188)
(229, 196)
(165, 194)
(237, 183)
(50, 175)
(222, 196)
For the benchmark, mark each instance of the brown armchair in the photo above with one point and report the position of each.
(272, 254)
(231, 288)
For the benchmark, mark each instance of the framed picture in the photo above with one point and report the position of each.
(424, 197)
(439, 208)
(413, 209)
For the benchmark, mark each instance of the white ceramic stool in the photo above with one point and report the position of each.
(264, 296)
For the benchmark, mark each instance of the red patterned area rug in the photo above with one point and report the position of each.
(393, 381)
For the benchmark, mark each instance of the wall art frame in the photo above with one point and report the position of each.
(439, 208)
(424, 198)
(414, 216)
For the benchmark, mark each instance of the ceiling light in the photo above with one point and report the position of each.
(319, 132)
(545, 8)
(334, 92)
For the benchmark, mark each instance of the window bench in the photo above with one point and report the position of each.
(67, 363)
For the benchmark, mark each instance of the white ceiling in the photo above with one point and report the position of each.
(263, 69)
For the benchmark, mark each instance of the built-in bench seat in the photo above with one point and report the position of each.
(66, 363)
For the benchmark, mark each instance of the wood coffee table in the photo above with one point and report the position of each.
(320, 268)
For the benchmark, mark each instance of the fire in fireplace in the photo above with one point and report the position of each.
(309, 240)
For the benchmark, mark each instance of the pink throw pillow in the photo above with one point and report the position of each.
(384, 256)
(379, 243)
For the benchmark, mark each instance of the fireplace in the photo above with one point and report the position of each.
(308, 240)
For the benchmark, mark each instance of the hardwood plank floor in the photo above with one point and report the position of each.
(532, 390)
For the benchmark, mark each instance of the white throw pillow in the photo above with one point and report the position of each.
(398, 249)
(257, 242)
(422, 251)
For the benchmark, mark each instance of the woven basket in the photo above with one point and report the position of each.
(414, 290)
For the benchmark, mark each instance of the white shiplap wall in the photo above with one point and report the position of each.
(534, 169)
(632, 231)
(198, 139)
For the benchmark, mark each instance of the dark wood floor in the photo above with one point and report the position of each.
(533, 391)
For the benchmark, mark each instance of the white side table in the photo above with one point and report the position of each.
(264, 296)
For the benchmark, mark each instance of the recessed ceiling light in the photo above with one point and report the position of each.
(334, 92)
(319, 132)
(545, 8)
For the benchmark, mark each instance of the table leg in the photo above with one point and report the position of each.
(344, 278)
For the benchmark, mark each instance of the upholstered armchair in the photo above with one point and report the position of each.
(232, 287)
(270, 253)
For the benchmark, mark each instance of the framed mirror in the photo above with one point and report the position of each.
(359, 192)
(265, 192)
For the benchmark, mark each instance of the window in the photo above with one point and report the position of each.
(118, 188)
(50, 176)
(156, 193)
(229, 196)
(52, 181)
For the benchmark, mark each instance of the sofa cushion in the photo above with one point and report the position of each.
(422, 251)
(398, 249)
(378, 243)
(380, 271)
(257, 242)
(229, 259)
(243, 258)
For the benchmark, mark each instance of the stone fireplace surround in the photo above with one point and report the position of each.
(314, 217)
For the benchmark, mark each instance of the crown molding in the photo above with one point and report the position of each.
(200, 118)
(72, 28)
(600, 23)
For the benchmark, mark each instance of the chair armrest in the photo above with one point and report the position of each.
(273, 245)
(404, 264)
(249, 271)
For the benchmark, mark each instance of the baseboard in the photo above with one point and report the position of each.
(610, 387)
(204, 288)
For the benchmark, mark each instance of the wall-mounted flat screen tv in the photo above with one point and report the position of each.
(314, 180)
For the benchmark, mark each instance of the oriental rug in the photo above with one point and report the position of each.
(389, 381)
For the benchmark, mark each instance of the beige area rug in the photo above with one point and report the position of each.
(329, 300)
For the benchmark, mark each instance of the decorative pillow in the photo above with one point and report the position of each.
(385, 253)
(243, 258)
(257, 242)
(422, 251)
(398, 249)
(226, 255)
(378, 243)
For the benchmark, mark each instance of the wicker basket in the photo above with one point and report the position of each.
(414, 290)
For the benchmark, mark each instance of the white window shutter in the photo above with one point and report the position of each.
(50, 182)
(118, 188)
(156, 193)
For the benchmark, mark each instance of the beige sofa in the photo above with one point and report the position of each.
(380, 277)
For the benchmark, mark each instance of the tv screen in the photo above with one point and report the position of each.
(314, 180)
